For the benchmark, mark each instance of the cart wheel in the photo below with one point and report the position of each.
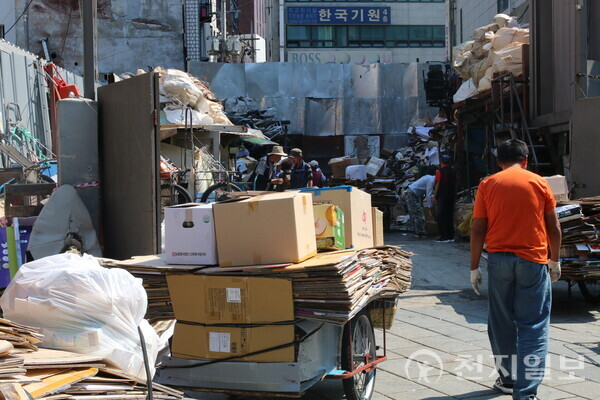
(361, 385)
(590, 291)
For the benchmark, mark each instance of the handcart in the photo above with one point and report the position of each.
(325, 351)
(589, 286)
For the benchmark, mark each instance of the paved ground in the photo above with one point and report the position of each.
(438, 346)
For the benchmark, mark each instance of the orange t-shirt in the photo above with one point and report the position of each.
(514, 202)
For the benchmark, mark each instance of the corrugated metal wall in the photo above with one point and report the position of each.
(327, 99)
(24, 93)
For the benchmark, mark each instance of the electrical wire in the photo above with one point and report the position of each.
(20, 16)
(66, 33)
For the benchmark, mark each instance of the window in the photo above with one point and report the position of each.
(366, 36)
(502, 5)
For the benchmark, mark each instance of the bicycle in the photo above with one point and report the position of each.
(220, 190)
(172, 191)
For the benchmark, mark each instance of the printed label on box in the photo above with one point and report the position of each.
(234, 295)
(219, 342)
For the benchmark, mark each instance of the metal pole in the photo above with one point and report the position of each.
(90, 69)
(223, 30)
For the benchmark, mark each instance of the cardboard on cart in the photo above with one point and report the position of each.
(211, 299)
(267, 229)
(377, 227)
(213, 343)
(190, 235)
(329, 227)
(356, 206)
(338, 166)
(559, 186)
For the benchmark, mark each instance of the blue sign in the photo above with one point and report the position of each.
(338, 15)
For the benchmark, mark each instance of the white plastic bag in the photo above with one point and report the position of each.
(84, 308)
(466, 90)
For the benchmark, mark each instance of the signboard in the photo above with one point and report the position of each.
(356, 57)
(338, 15)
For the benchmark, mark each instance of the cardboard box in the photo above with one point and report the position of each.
(202, 301)
(213, 343)
(377, 227)
(329, 227)
(559, 186)
(374, 165)
(211, 299)
(338, 166)
(274, 228)
(356, 206)
(190, 235)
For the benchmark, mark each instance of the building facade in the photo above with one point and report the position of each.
(359, 32)
(464, 16)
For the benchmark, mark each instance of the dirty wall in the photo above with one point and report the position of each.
(131, 34)
(328, 99)
(24, 93)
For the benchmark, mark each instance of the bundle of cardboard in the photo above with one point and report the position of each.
(333, 287)
(580, 225)
(27, 372)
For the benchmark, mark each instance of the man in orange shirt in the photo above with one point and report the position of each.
(515, 216)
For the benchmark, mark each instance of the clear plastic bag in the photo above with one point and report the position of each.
(84, 308)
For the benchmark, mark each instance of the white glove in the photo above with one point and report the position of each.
(554, 270)
(476, 280)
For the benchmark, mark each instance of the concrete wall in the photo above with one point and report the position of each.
(7, 18)
(131, 33)
(585, 148)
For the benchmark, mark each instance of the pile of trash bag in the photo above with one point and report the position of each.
(84, 308)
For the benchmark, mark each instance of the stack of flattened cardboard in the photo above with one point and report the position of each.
(580, 225)
(153, 272)
(333, 287)
(54, 374)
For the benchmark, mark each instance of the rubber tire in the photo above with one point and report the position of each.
(592, 298)
(352, 392)
(46, 179)
(232, 186)
(181, 194)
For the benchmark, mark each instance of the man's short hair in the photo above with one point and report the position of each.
(512, 151)
(431, 170)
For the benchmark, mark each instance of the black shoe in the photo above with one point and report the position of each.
(503, 387)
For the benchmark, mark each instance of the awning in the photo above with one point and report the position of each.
(258, 141)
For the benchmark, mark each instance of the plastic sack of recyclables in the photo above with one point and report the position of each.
(84, 308)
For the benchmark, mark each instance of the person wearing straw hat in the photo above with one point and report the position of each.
(265, 169)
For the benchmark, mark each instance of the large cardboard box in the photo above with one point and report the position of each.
(338, 166)
(208, 343)
(268, 229)
(211, 299)
(356, 206)
(329, 227)
(377, 227)
(559, 186)
(190, 235)
(254, 304)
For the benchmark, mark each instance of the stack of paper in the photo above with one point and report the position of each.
(580, 225)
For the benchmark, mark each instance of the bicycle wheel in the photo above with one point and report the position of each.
(361, 386)
(590, 291)
(172, 194)
(218, 192)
